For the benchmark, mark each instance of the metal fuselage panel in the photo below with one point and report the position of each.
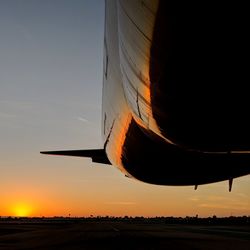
(144, 129)
(115, 113)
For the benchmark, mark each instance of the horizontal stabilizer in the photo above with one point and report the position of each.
(97, 155)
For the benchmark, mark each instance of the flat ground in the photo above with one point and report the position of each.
(121, 235)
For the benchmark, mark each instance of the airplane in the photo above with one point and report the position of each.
(175, 99)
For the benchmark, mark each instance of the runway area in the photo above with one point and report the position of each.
(121, 235)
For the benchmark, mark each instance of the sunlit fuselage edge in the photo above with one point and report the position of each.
(163, 134)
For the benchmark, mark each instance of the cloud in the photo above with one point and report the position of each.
(235, 206)
(235, 203)
(212, 205)
(83, 119)
(194, 199)
(125, 203)
(95, 179)
(218, 198)
(242, 195)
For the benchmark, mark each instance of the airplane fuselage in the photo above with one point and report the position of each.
(164, 101)
(175, 92)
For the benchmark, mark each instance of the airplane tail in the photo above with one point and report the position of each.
(97, 155)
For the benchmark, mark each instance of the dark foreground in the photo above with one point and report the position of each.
(121, 235)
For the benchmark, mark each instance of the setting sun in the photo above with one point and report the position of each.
(21, 210)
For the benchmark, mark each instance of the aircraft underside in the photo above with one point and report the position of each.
(183, 102)
(175, 100)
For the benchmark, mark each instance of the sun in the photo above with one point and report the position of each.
(22, 210)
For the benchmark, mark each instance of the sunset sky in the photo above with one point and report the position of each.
(50, 99)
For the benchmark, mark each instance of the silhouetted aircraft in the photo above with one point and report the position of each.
(175, 96)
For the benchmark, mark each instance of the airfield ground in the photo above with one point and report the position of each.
(120, 235)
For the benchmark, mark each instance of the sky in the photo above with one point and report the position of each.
(51, 59)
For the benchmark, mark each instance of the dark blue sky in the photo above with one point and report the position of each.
(51, 62)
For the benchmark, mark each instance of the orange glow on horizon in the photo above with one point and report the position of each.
(21, 209)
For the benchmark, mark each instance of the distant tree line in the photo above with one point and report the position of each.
(188, 220)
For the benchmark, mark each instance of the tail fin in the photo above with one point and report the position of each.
(97, 155)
